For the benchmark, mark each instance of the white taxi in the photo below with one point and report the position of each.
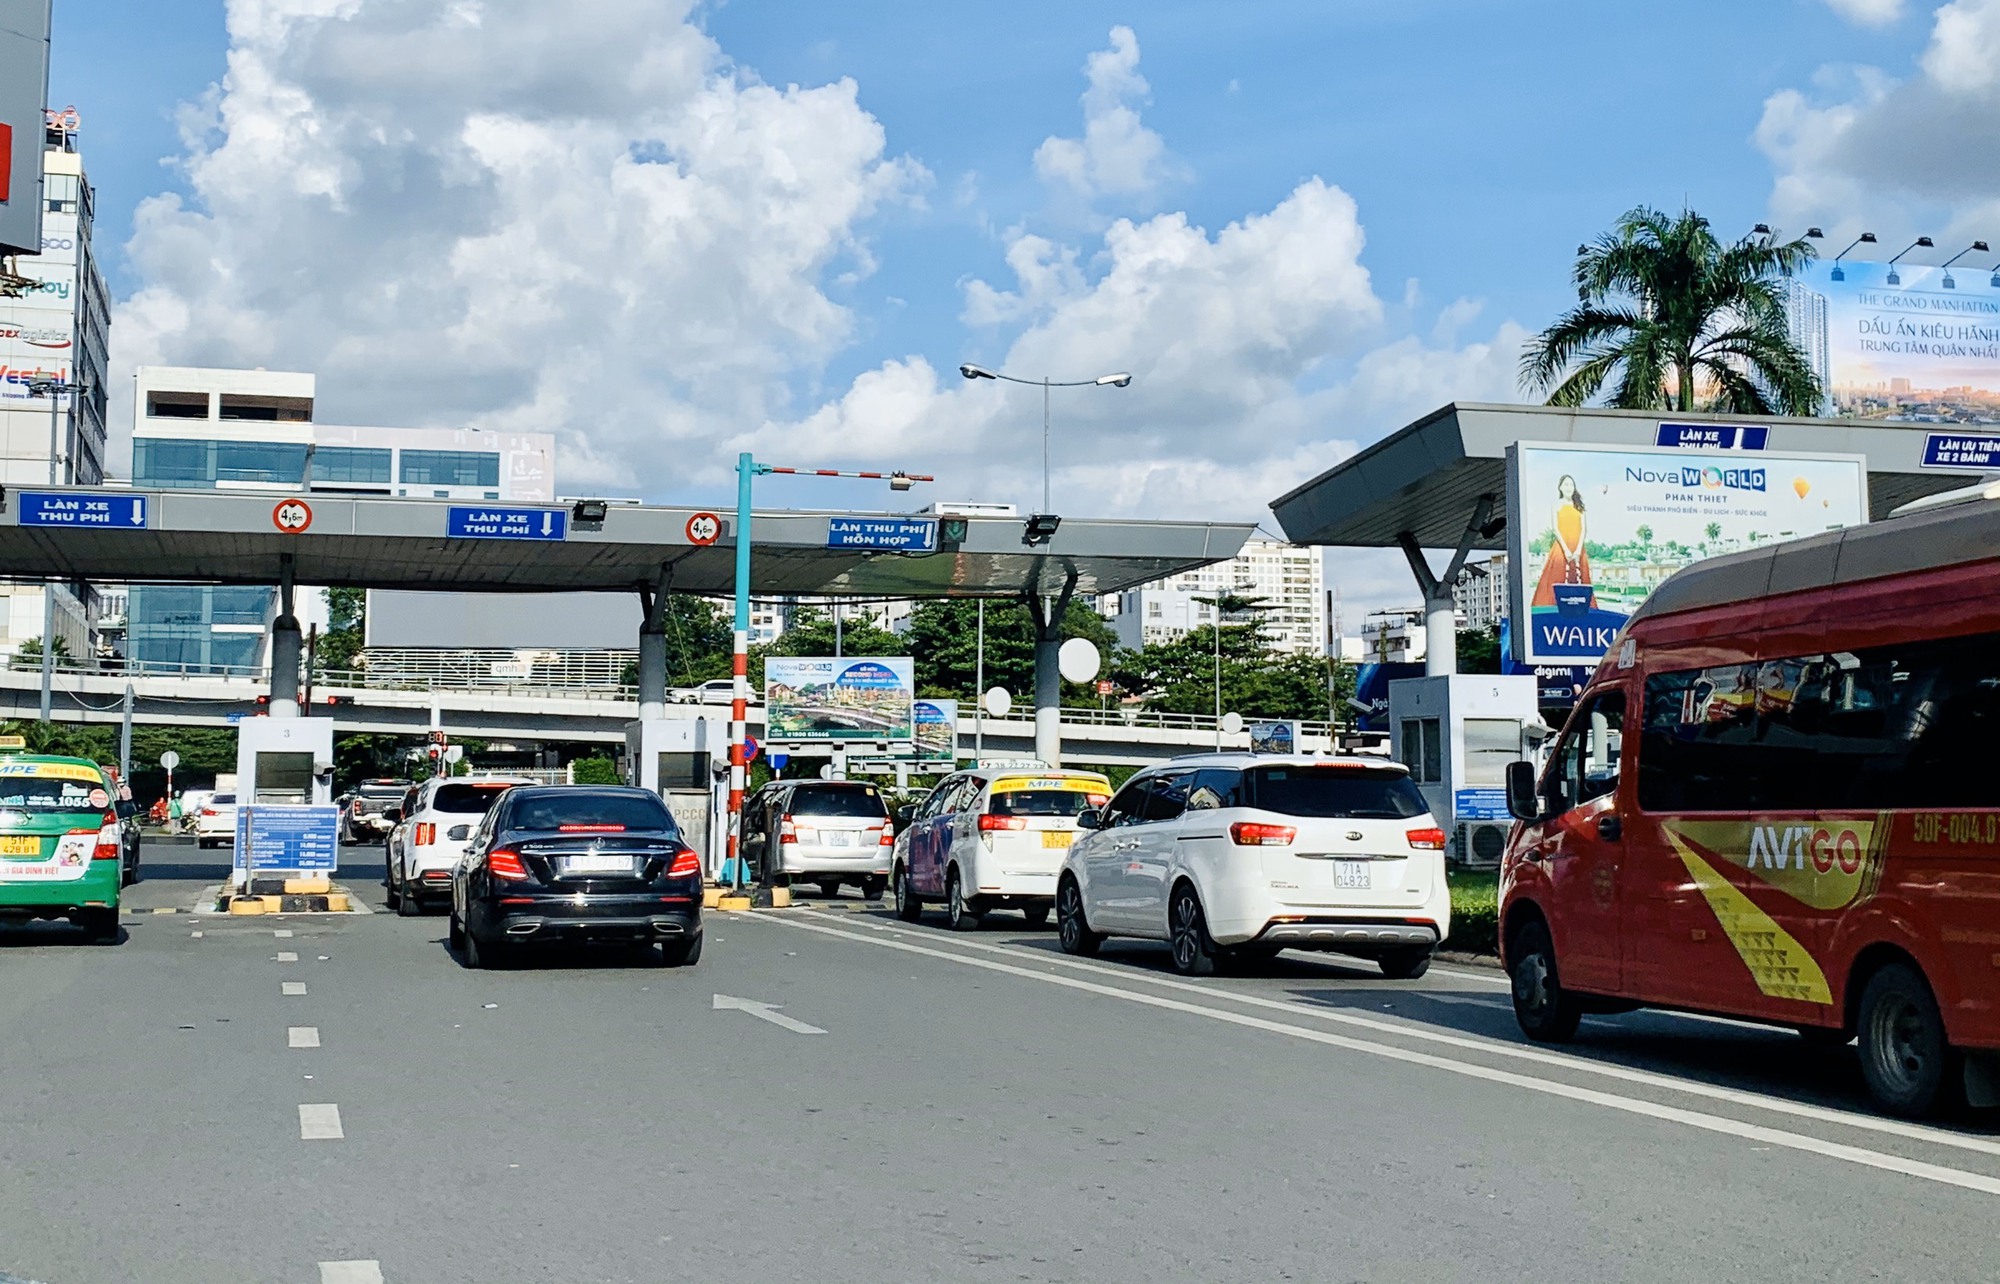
(991, 838)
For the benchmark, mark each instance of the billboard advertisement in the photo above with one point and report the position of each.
(38, 326)
(822, 698)
(937, 731)
(1920, 344)
(1594, 530)
(24, 92)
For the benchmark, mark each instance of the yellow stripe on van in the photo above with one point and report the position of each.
(1778, 963)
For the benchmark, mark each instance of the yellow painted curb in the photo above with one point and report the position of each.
(781, 898)
(337, 903)
(253, 905)
(734, 904)
(711, 897)
(318, 886)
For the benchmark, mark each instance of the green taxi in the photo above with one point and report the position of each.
(60, 854)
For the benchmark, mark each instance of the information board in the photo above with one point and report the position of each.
(287, 836)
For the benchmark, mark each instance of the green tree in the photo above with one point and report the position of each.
(596, 770)
(944, 637)
(339, 647)
(1671, 314)
(1713, 531)
(1478, 651)
(1178, 676)
(29, 654)
(700, 640)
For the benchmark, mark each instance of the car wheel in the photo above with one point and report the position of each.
(1187, 934)
(958, 914)
(390, 896)
(1072, 928)
(680, 953)
(873, 886)
(489, 957)
(408, 906)
(101, 924)
(455, 933)
(1905, 1059)
(829, 888)
(908, 907)
(1405, 965)
(1546, 1012)
(1036, 915)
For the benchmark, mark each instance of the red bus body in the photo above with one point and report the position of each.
(1807, 786)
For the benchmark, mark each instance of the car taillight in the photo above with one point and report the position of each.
(590, 829)
(1250, 833)
(506, 864)
(108, 845)
(988, 823)
(686, 864)
(427, 834)
(210, 811)
(787, 831)
(1428, 840)
(888, 836)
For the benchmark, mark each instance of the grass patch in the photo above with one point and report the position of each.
(1475, 911)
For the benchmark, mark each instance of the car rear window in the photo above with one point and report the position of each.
(1042, 802)
(1360, 793)
(467, 800)
(585, 809)
(825, 800)
(227, 800)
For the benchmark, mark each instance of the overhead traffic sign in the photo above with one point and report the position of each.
(883, 534)
(1713, 436)
(292, 516)
(1975, 452)
(704, 529)
(67, 508)
(504, 521)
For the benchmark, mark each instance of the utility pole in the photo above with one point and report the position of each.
(979, 689)
(125, 739)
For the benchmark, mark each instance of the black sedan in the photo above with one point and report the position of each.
(576, 863)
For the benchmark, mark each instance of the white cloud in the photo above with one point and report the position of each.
(1868, 13)
(1117, 155)
(485, 212)
(1964, 53)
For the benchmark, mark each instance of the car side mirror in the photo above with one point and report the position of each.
(1523, 802)
(907, 814)
(1090, 818)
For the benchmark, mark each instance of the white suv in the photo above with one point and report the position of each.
(1232, 857)
(426, 843)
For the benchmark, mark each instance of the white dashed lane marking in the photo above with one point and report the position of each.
(287, 956)
(281, 933)
(350, 1273)
(320, 1123)
(302, 1036)
(291, 987)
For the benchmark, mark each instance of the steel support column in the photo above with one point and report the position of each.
(1440, 608)
(287, 644)
(1047, 615)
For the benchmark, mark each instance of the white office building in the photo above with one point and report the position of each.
(1393, 637)
(1287, 580)
(1481, 593)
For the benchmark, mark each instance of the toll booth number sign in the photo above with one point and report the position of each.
(287, 836)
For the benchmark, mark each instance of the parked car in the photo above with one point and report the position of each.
(576, 862)
(60, 853)
(215, 823)
(1232, 857)
(827, 832)
(992, 838)
(362, 821)
(432, 827)
(715, 691)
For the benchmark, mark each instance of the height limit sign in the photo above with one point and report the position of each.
(292, 516)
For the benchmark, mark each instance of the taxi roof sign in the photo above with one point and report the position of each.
(13, 743)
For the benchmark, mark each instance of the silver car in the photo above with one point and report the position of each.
(827, 832)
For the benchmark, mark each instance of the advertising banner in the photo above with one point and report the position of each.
(1274, 737)
(858, 698)
(937, 731)
(1594, 530)
(24, 92)
(1913, 343)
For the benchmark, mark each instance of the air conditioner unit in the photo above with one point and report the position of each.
(1479, 844)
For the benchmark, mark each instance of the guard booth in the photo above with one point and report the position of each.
(678, 759)
(286, 820)
(1457, 734)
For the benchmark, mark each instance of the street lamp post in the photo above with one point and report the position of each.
(1119, 380)
(748, 469)
(53, 390)
(1233, 604)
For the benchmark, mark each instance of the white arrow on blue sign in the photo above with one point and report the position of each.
(501, 521)
(68, 508)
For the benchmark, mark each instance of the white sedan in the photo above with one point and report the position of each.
(1230, 858)
(215, 823)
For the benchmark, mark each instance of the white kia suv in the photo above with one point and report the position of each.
(1231, 857)
(425, 844)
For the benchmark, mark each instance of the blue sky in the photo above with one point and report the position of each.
(1479, 143)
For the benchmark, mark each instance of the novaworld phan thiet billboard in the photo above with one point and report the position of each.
(822, 698)
(1594, 530)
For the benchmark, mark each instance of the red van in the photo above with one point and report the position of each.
(1779, 800)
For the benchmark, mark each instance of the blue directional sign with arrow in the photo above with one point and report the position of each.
(67, 508)
(503, 521)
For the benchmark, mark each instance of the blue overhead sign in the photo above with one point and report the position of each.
(504, 521)
(274, 836)
(65, 508)
(1975, 452)
(1713, 436)
(883, 534)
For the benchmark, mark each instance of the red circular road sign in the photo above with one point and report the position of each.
(292, 516)
(704, 529)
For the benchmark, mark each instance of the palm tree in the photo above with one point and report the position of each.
(1671, 312)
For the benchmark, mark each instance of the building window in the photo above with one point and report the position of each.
(350, 464)
(257, 461)
(162, 462)
(295, 410)
(451, 468)
(177, 405)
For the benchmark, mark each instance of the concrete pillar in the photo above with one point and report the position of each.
(652, 669)
(1048, 694)
(287, 645)
(1440, 637)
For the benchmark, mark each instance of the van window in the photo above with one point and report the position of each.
(467, 800)
(837, 800)
(1041, 802)
(1356, 793)
(1585, 765)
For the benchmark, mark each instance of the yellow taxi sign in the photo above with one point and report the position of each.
(13, 742)
(1067, 782)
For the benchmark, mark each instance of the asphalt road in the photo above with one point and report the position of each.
(979, 1107)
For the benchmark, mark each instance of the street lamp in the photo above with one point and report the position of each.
(1950, 284)
(1892, 278)
(52, 388)
(1866, 238)
(747, 470)
(1230, 604)
(1119, 380)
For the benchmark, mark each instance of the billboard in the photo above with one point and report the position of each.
(1594, 529)
(38, 326)
(24, 92)
(857, 698)
(936, 731)
(1920, 344)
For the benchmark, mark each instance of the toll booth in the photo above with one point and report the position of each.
(685, 761)
(1456, 734)
(286, 820)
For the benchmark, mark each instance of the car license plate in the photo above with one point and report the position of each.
(20, 845)
(1357, 874)
(839, 838)
(597, 864)
(1056, 837)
